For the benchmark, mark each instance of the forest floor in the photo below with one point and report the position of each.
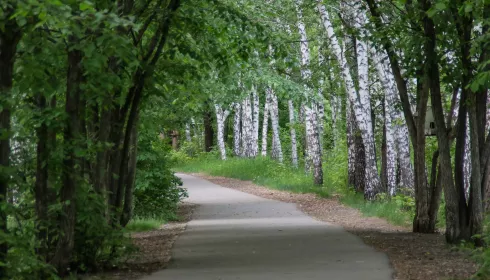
(152, 249)
(412, 255)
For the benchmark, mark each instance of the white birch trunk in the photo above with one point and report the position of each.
(320, 104)
(237, 134)
(274, 113)
(292, 131)
(188, 132)
(247, 128)
(390, 151)
(255, 116)
(311, 118)
(399, 128)
(265, 124)
(351, 145)
(362, 106)
(390, 93)
(220, 119)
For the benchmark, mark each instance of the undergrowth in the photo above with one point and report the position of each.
(144, 224)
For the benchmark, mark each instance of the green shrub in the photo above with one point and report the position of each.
(97, 243)
(157, 190)
(482, 254)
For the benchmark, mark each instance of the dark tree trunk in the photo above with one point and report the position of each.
(208, 131)
(9, 38)
(175, 140)
(127, 213)
(421, 221)
(41, 184)
(433, 79)
(123, 167)
(436, 190)
(103, 132)
(64, 248)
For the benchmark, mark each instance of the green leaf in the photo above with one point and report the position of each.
(84, 6)
(440, 6)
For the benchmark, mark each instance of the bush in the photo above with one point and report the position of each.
(157, 190)
(98, 243)
(482, 254)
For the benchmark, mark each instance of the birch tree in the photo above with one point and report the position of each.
(360, 99)
(311, 118)
(247, 127)
(265, 124)
(237, 131)
(221, 116)
(255, 121)
(274, 114)
(292, 131)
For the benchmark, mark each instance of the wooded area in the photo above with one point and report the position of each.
(93, 95)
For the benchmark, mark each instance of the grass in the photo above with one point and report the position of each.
(268, 173)
(144, 224)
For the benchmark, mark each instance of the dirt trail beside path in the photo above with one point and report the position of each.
(413, 256)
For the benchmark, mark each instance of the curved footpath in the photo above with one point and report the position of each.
(235, 235)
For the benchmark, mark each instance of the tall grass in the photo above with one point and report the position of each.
(144, 224)
(267, 172)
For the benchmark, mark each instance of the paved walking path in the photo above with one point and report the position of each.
(235, 235)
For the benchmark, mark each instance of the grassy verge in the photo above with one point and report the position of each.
(268, 173)
(144, 224)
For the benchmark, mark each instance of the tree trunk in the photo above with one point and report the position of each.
(237, 130)
(127, 213)
(361, 105)
(390, 130)
(433, 80)
(312, 139)
(69, 177)
(175, 139)
(351, 146)
(265, 124)
(384, 159)
(415, 126)
(274, 114)
(292, 131)
(313, 124)
(9, 38)
(247, 128)
(360, 160)
(255, 117)
(208, 131)
(220, 124)
(41, 184)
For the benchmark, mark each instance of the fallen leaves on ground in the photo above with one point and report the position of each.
(153, 249)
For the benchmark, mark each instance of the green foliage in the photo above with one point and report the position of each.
(97, 243)
(480, 254)
(157, 190)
